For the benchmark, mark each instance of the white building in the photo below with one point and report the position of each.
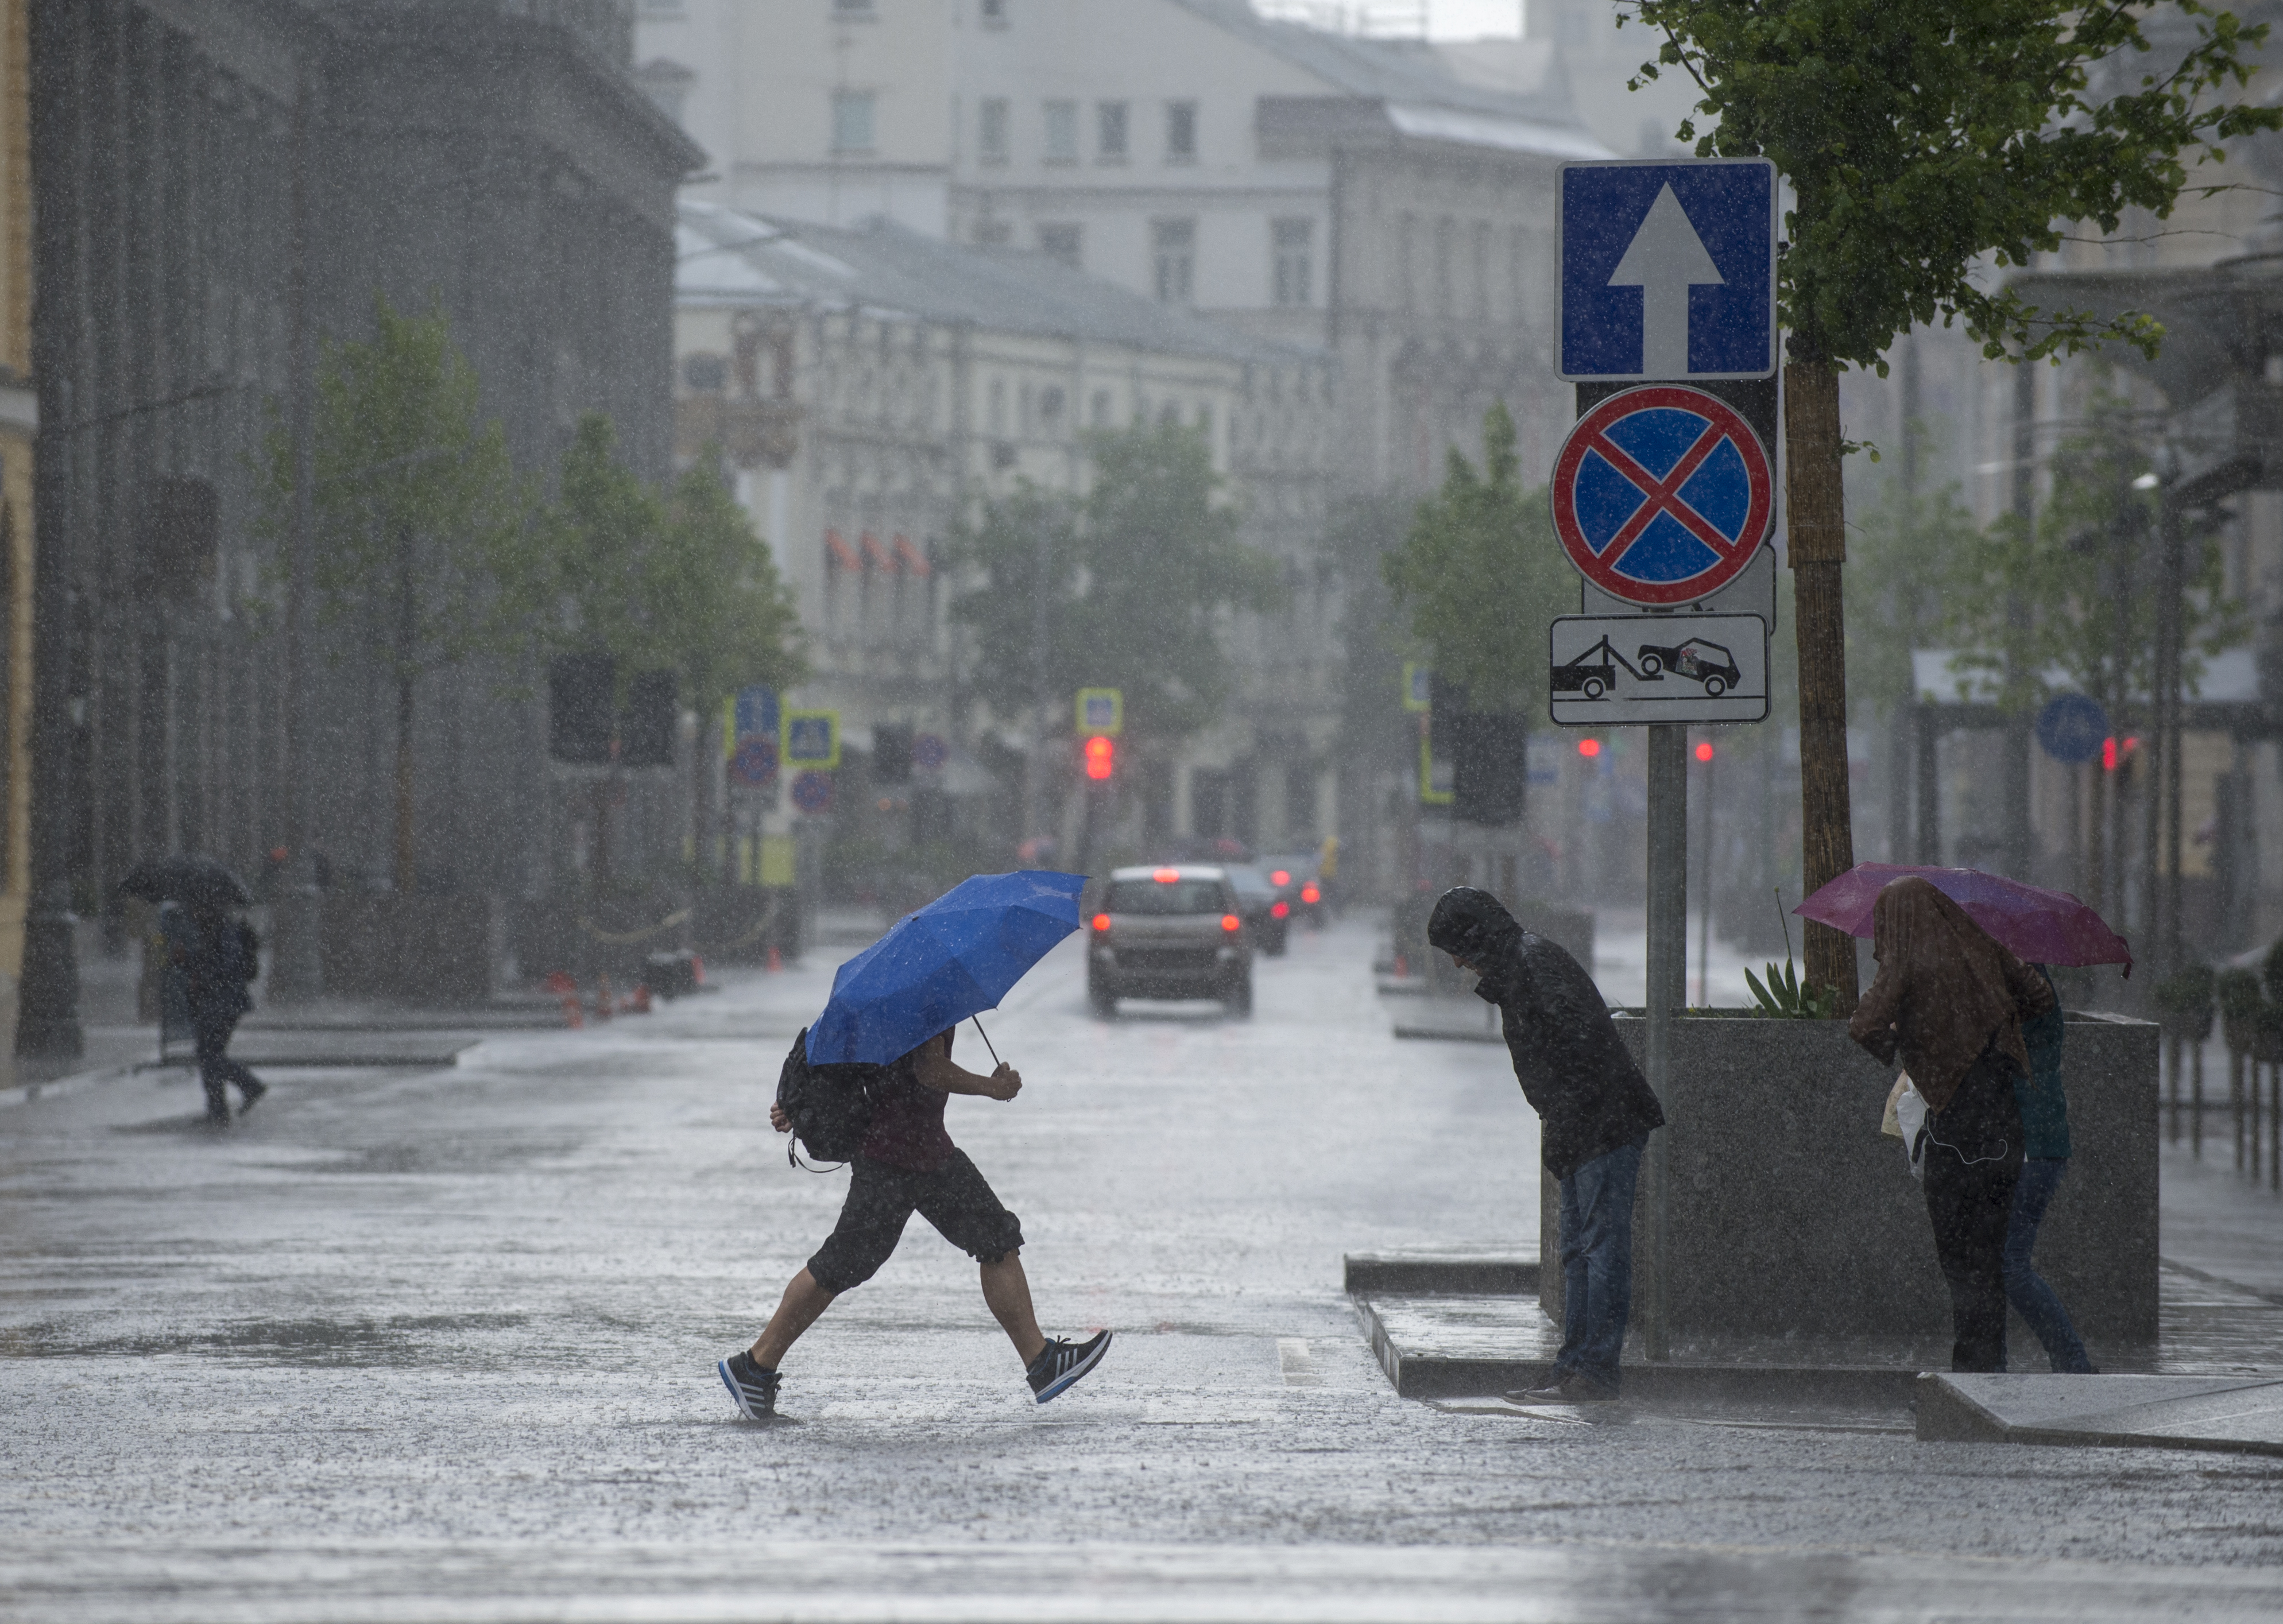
(867, 384)
(1388, 200)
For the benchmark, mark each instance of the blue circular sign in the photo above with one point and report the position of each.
(812, 792)
(930, 751)
(2072, 729)
(755, 763)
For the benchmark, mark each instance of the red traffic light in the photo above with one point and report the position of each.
(1310, 895)
(1101, 757)
(1704, 750)
(1589, 747)
(1279, 910)
(1101, 924)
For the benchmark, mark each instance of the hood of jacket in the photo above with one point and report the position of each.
(1474, 926)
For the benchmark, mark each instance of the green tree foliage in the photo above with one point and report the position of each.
(1920, 136)
(423, 546)
(1130, 586)
(673, 580)
(2069, 604)
(1480, 572)
(1910, 549)
(670, 581)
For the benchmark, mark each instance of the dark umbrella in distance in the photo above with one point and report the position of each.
(2036, 924)
(194, 882)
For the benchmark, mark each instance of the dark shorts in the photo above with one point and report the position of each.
(881, 1199)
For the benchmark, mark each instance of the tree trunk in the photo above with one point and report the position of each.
(1817, 504)
(405, 877)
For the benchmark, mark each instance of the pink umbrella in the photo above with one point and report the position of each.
(2039, 926)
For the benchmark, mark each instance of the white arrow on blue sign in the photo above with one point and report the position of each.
(1668, 270)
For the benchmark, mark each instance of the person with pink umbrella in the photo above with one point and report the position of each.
(1951, 1001)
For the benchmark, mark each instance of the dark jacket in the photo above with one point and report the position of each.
(1590, 1097)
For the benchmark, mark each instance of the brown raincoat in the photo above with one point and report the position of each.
(1943, 989)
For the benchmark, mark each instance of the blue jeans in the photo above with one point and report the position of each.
(1597, 1265)
(2032, 1299)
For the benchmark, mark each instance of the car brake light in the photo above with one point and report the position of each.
(1310, 894)
(1280, 910)
(1282, 876)
(1167, 877)
(1230, 922)
(1101, 924)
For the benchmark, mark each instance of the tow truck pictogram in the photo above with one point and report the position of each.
(1592, 680)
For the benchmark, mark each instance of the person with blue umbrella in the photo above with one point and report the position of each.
(893, 1011)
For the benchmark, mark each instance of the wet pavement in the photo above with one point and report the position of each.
(438, 1343)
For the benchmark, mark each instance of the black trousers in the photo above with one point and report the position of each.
(1972, 1158)
(216, 1069)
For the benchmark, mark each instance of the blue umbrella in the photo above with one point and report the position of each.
(953, 958)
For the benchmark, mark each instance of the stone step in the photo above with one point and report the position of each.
(2242, 1415)
(1429, 1352)
(1443, 1273)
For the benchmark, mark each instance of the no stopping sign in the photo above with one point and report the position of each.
(1662, 494)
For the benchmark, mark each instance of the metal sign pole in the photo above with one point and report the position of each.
(1667, 986)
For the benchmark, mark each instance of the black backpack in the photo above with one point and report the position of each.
(831, 1106)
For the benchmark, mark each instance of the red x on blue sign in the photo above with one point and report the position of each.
(1662, 495)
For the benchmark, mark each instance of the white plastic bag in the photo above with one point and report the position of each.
(1907, 1110)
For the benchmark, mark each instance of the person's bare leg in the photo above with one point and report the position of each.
(1007, 1289)
(804, 1300)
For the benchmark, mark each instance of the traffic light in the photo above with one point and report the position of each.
(1101, 757)
(891, 753)
(579, 720)
(1704, 750)
(652, 717)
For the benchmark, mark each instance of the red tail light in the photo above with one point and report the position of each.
(1310, 894)
(1101, 924)
(1280, 910)
(1231, 923)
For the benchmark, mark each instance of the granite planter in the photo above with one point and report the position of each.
(1791, 1216)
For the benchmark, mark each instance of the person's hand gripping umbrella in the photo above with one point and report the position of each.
(953, 959)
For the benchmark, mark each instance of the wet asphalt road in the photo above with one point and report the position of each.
(439, 1345)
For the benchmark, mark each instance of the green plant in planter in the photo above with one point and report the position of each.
(2238, 994)
(2184, 998)
(1782, 997)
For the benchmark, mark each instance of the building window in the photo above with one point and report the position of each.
(992, 138)
(1295, 268)
(1102, 408)
(852, 10)
(1064, 241)
(1110, 132)
(993, 233)
(995, 13)
(1061, 132)
(1180, 132)
(1174, 245)
(851, 120)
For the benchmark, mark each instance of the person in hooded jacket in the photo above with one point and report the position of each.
(1951, 1000)
(1595, 1112)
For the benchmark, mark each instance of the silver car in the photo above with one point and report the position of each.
(1168, 933)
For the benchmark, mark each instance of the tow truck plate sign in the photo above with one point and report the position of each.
(1611, 671)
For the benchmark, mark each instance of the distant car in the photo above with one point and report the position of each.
(1172, 932)
(1295, 879)
(1697, 660)
(1266, 911)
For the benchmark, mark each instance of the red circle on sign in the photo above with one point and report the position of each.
(1709, 504)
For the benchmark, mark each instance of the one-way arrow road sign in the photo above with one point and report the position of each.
(1668, 270)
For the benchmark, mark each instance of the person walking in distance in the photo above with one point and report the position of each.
(211, 961)
(1951, 1000)
(908, 1164)
(1595, 1113)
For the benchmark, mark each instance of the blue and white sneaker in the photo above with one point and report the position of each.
(1060, 1363)
(752, 1390)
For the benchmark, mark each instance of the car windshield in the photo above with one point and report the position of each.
(1164, 896)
